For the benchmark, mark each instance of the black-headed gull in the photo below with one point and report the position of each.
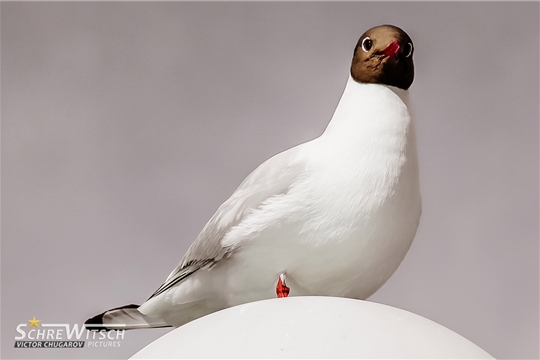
(333, 216)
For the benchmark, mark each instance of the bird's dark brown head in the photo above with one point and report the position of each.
(384, 55)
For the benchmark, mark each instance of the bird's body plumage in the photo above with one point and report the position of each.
(336, 215)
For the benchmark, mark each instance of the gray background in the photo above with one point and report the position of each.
(125, 125)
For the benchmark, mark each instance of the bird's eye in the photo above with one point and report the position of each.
(367, 44)
(408, 49)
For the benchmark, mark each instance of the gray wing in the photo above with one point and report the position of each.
(273, 177)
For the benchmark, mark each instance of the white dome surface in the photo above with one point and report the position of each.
(312, 327)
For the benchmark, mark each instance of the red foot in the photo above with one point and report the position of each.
(281, 289)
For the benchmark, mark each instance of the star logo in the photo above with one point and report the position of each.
(34, 322)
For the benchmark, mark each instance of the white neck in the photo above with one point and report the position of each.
(372, 134)
(367, 105)
(370, 117)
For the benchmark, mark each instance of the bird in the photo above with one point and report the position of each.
(333, 216)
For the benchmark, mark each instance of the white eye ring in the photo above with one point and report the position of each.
(410, 50)
(367, 43)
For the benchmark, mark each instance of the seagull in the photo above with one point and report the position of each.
(334, 216)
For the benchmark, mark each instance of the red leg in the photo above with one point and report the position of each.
(282, 290)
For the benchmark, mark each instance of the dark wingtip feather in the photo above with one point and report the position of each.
(98, 319)
(94, 321)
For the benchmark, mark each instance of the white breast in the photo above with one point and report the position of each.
(364, 191)
(344, 227)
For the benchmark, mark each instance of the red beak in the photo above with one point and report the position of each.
(391, 49)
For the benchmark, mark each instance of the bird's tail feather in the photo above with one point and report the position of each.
(123, 318)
